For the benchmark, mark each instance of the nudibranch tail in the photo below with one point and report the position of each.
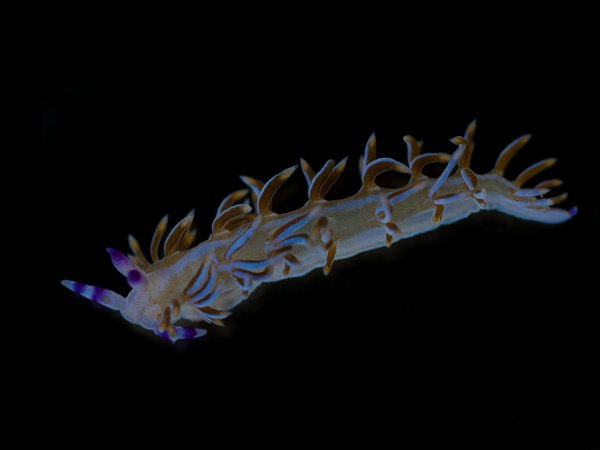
(177, 287)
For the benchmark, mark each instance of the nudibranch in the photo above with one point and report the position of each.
(180, 286)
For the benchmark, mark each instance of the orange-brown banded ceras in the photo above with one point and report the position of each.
(250, 244)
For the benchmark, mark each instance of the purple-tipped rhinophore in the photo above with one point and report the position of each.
(127, 267)
(121, 262)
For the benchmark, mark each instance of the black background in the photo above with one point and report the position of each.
(489, 323)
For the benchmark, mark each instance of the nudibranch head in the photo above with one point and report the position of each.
(155, 301)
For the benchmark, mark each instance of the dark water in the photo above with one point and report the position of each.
(490, 323)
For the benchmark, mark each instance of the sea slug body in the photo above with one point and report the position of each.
(181, 284)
